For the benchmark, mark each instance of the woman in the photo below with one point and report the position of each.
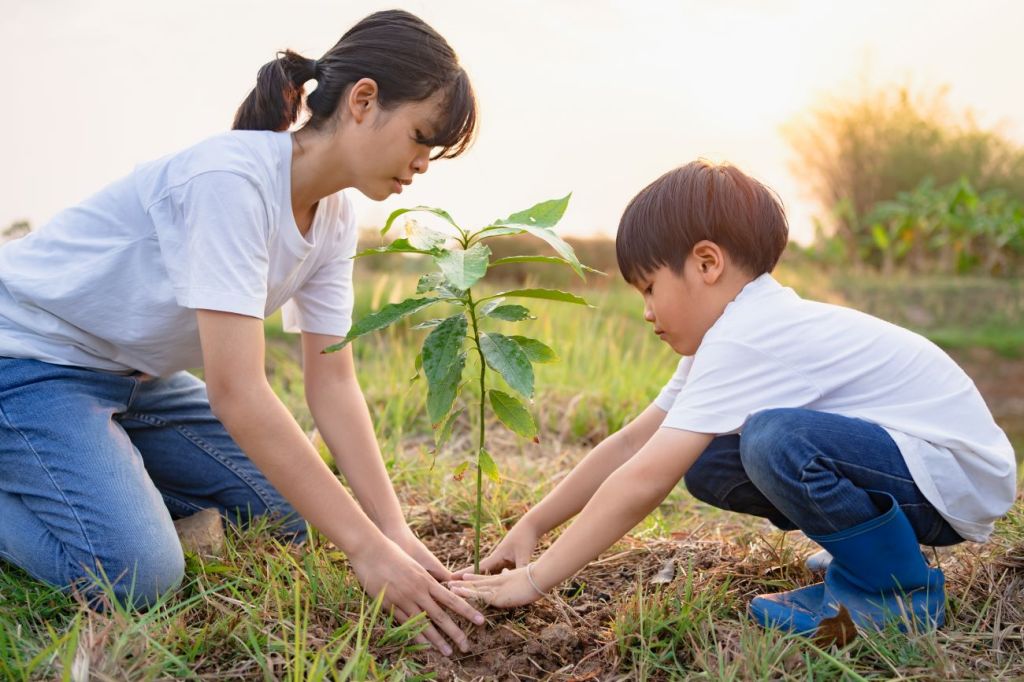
(104, 438)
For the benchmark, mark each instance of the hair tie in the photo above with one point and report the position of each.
(315, 65)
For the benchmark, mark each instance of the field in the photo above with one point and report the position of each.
(263, 611)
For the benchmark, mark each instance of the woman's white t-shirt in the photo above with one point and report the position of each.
(772, 349)
(113, 283)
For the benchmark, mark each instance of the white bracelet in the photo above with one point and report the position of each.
(529, 576)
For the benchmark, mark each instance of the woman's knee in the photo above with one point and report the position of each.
(137, 576)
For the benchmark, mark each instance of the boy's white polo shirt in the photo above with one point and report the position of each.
(772, 349)
(114, 282)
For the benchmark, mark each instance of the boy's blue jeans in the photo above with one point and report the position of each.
(94, 465)
(812, 470)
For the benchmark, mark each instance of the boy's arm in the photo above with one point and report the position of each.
(573, 492)
(623, 500)
(576, 489)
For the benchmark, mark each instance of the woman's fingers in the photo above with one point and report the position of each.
(431, 633)
(401, 616)
(442, 620)
(473, 577)
(452, 602)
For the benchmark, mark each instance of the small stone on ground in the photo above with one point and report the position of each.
(202, 533)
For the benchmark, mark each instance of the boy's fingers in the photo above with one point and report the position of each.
(494, 563)
(467, 592)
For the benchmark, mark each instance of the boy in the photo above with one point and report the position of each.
(864, 435)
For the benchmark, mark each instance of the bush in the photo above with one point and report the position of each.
(904, 182)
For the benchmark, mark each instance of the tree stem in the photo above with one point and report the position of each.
(480, 447)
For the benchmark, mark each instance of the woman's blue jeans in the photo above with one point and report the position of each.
(95, 465)
(812, 470)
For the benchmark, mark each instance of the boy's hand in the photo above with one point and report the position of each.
(510, 588)
(514, 551)
(415, 548)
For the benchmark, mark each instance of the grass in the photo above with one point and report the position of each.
(266, 611)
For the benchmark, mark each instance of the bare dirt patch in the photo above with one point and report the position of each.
(572, 635)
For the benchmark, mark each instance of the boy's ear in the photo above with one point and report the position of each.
(709, 259)
(362, 98)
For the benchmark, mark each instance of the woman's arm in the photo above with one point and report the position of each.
(339, 410)
(241, 397)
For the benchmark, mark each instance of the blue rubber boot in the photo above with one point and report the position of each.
(877, 572)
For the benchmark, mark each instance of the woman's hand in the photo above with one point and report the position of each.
(511, 588)
(409, 589)
(419, 553)
(514, 551)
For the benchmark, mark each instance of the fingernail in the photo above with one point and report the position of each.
(446, 650)
(464, 647)
(478, 619)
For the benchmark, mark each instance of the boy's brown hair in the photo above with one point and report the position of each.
(701, 200)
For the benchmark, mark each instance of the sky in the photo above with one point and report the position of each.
(595, 98)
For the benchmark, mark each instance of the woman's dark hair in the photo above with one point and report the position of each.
(408, 60)
(698, 201)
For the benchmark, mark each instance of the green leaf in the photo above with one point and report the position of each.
(510, 313)
(444, 434)
(544, 214)
(543, 259)
(490, 305)
(880, 235)
(441, 394)
(429, 282)
(448, 291)
(460, 471)
(512, 413)
(548, 235)
(425, 209)
(549, 294)
(463, 268)
(397, 246)
(387, 315)
(421, 237)
(535, 350)
(419, 366)
(442, 346)
(488, 466)
(506, 357)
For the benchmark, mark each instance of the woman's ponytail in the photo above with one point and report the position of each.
(407, 59)
(275, 102)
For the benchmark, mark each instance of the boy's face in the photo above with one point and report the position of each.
(683, 307)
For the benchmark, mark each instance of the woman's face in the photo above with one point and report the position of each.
(387, 150)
